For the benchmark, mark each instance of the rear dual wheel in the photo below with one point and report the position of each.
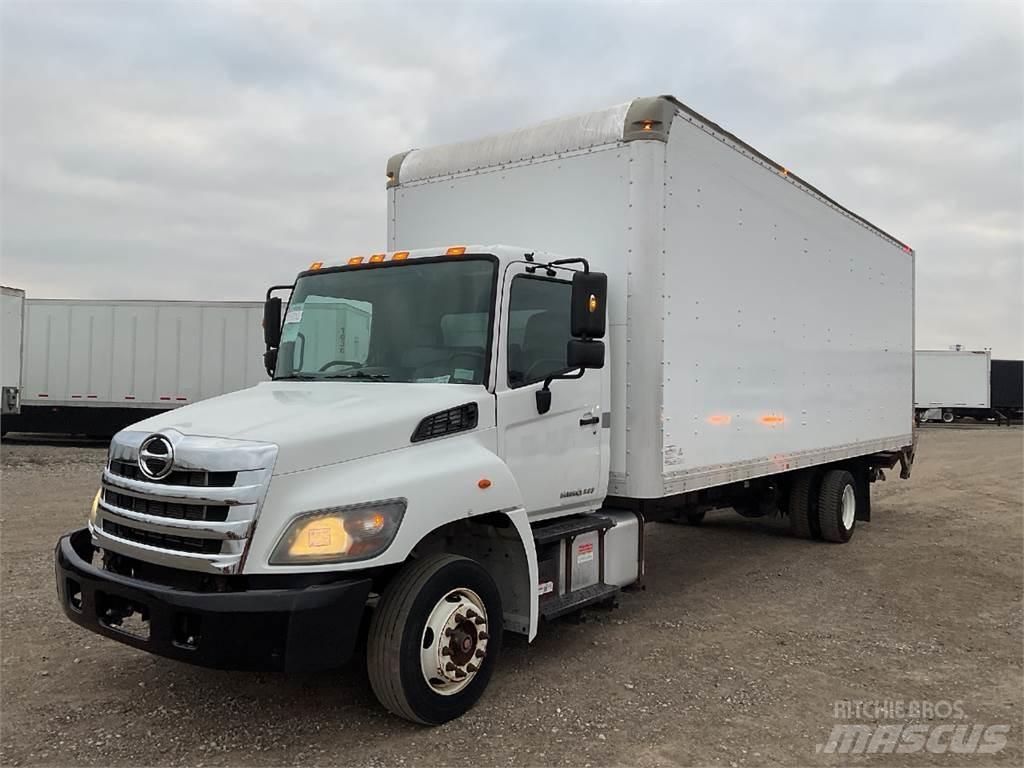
(434, 639)
(823, 505)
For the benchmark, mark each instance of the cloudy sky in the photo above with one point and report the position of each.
(205, 150)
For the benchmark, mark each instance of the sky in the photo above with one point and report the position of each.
(206, 150)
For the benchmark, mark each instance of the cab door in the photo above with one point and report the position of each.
(559, 458)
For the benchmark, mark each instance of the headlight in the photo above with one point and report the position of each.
(93, 508)
(340, 533)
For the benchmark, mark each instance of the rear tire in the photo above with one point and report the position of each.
(837, 506)
(948, 417)
(432, 610)
(803, 505)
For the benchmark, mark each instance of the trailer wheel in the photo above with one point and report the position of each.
(948, 417)
(837, 506)
(434, 639)
(803, 505)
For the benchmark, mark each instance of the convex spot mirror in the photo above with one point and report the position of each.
(582, 353)
(589, 299)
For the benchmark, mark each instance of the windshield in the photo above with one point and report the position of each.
(416, 321)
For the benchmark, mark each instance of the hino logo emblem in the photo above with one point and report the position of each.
(156, 457)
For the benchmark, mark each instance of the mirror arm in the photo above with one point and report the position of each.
(273, 288)
(544, 393)
(584, 262)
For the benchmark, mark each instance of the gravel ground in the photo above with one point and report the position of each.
(733, 655)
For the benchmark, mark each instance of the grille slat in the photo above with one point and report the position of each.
(185, 477)
(209, 513)
(162, 540)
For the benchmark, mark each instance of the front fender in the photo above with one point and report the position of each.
(440, 480)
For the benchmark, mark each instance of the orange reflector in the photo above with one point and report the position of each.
(483, 483)
(772, 419)
(376, 258)
(648, 125)
(455, 250)
(719, 418)
(400, 256)
(355, 260)
(316, 265)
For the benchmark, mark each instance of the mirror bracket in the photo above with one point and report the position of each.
(544, 393)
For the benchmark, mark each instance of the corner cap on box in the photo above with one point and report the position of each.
(649, 118)
(394, 166)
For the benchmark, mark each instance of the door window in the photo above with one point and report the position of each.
(538, 329)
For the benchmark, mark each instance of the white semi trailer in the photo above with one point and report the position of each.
(715, 333)
(93, 367)
(13, 310)
(952, 383)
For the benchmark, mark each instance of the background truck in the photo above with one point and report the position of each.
(1008, 389)
(93, 367)
(675, 323)
(13, 310)
(951, 384)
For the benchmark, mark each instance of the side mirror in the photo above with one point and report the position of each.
(270, 361)
(272, 322)
(584, 353)
(589, 300)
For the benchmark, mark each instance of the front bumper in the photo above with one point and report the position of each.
(296, 629)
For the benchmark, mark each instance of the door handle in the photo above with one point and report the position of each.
(590, 421)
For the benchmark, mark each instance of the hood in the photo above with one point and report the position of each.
(322, 422)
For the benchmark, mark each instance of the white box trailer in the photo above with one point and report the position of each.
(13, 310)
(756, 326)
(479, 447)
(94, 366)
(952, 383)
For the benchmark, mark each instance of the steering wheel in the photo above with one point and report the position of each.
(325, 366)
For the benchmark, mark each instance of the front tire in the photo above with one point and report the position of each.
(837, 506)
(434, 639)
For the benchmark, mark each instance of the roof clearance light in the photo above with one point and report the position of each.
(400, 256)
(376, 258)
(455, 250)
(316, 265)
(355, 260)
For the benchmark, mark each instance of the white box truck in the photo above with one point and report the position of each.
(94, 367)
(714, 333)
(13, 310)
(951, 384)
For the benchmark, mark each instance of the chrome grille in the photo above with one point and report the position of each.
(199, 517)
(216, 513)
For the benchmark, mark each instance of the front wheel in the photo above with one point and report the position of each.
(434, 639)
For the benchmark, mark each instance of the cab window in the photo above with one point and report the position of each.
(538, 329)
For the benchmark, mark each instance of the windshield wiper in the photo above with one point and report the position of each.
(297, 377)
(358, 375)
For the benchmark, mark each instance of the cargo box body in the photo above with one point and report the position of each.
(131, 358)
(10, 366)
(755, 326)
(952, 379)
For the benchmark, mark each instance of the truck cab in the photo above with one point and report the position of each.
(428, 411)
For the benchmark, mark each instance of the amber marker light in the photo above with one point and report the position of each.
(355, 260)
(455, 250)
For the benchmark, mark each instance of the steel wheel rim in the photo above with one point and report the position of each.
(849, 507)
(454, 640)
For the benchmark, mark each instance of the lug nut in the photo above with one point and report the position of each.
(446, 651)
(460, 673)
(482, 636)
(479, 621)
(480, 653)
(450, 667)
(470, 613)
(471, 668)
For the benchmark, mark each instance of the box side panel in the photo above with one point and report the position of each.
(139, 354)
(788, 324)
(574, 205)
(954, 379)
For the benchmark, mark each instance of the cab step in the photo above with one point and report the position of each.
(574, 601)
(571, 527)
